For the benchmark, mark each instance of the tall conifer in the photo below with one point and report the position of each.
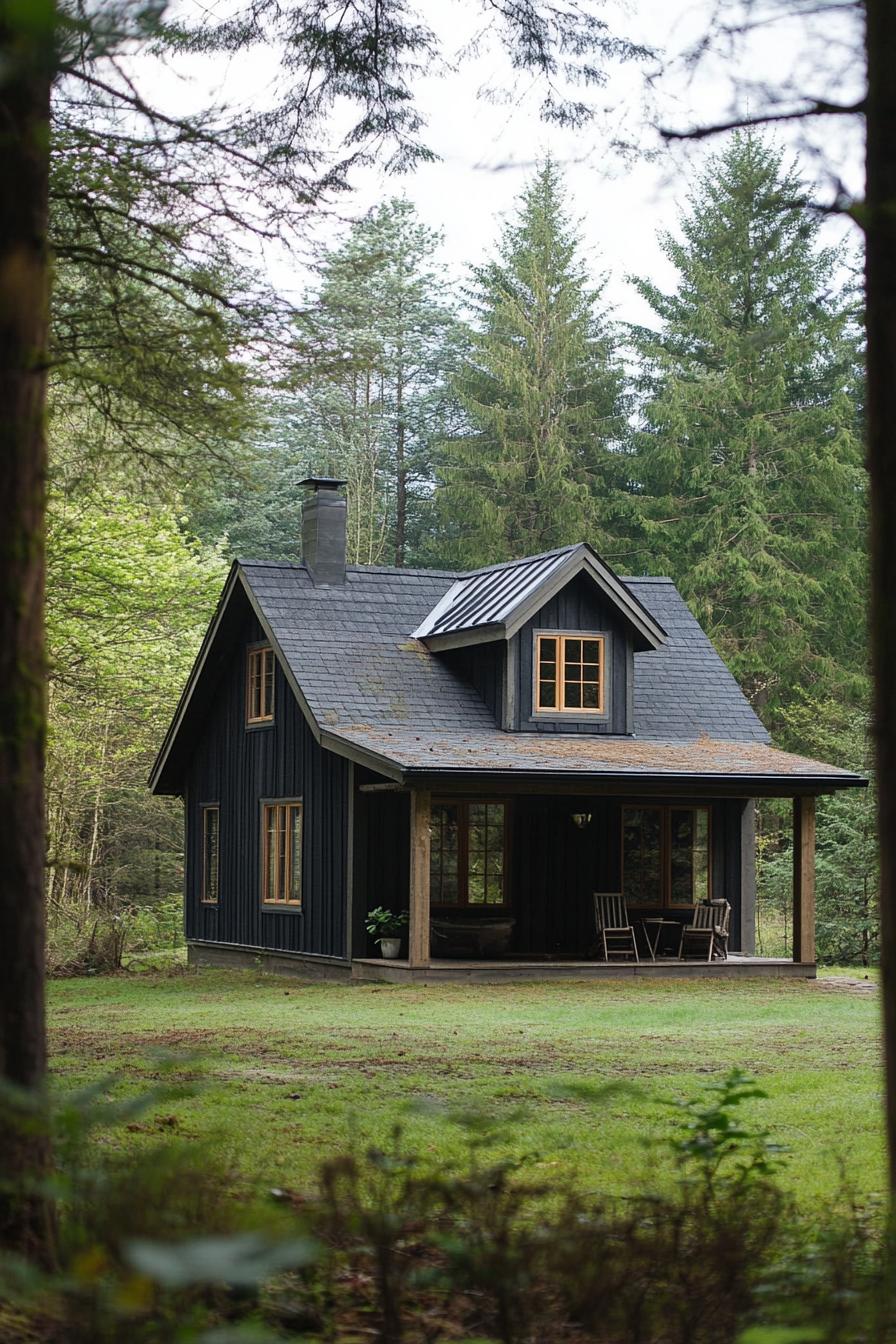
(750, 460)
(386, 325)
(541, 394)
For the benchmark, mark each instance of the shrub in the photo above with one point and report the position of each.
(153, 1248)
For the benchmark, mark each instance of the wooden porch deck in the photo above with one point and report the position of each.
(501, 972)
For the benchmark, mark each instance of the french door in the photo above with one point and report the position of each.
(666, 855)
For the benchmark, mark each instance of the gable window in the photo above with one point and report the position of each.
(260, 685)
(281, 859)
(569, 674)
(211, 824)
(467, 854)
(666, 856)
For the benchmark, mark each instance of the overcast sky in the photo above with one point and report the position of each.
(486, 150)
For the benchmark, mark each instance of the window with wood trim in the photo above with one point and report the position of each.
(569, 674)
(260, 685)
(666, 856)
(211, 833)
(281, 858)
(468, 851)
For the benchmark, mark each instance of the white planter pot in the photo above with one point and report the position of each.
(390, 947)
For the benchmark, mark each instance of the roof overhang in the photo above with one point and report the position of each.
(655, 768)
(627, 784)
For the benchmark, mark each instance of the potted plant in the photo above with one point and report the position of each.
(385, 927)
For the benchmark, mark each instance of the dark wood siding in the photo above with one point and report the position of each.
(553, 866)
(381, 860)
(239, 767)
(577, 607)
(556, 867)
(482, 665)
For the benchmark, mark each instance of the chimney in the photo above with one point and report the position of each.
(323, 529)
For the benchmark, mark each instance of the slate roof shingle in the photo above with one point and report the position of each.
(435, 751)
(350, 650)
(371, 687)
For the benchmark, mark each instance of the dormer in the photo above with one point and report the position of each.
(549, 641)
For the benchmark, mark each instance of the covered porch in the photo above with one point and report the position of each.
(523, 864)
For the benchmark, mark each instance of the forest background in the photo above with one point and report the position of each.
(719, 443)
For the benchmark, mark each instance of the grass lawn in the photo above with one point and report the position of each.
(288, 1073)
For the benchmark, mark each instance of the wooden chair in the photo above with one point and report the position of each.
(723, 927)
(707, 931)
(614, 928)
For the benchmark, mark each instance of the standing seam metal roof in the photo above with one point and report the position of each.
(489, 595)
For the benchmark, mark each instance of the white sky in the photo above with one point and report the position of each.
(486, 150)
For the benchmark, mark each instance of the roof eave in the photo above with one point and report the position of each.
(460, 639)
(746, 784)
(352, 751)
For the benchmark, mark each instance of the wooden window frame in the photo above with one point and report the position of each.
(463, 855)
(254, 654)
(666, 809)
(289, 806)
(204, 897)
(561, 710)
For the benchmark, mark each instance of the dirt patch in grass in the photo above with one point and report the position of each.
(846, 983)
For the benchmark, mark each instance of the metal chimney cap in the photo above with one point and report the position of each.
(323, 482)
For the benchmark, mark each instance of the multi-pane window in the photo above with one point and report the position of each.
(211, 829)
(569, 674)
(666, 855)
(642, 855)
(281, 860)
(467, 854)
(260, 685)
(688, 855)
(444, 854)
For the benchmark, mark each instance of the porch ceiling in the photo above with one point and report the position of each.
(492, 752)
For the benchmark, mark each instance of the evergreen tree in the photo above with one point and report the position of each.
(387, 329)
(373, 345)
(537, 463)
(750, 457)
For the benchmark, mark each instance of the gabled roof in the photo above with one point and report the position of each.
(373, 692)
(495, 602)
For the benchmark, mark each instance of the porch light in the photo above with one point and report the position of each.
(581, 819)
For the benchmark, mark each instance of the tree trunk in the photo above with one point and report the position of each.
(880, 288)
(401, 478)
(26, 53)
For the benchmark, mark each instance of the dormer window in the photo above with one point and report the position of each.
(260, 684)
(569, 674)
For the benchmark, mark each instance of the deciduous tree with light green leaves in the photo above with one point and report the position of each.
(538, 461)
(749, 458)
(129, 598)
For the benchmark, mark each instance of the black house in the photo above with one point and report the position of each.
(485, 750)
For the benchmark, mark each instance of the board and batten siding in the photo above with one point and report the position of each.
(554, 867)
(482, 665)
(238, 768)
(576, 608)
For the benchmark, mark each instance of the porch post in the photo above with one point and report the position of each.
(804, 879)
(418, 932)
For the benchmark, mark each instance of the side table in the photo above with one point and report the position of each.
(653, 932)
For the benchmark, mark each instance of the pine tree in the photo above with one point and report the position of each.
(382, 328)
(537, 463)
(750, 459)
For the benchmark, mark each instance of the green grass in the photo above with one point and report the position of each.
(288, 1073)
